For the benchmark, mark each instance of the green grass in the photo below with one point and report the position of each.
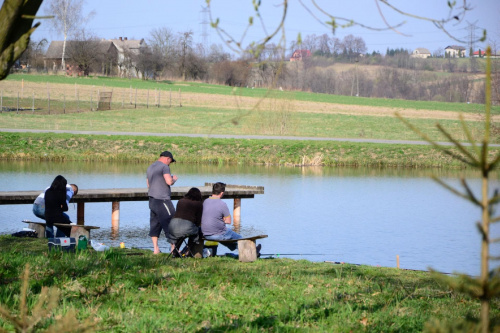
(197, 87)
(197, 120)
(67, 147)
(136, 291)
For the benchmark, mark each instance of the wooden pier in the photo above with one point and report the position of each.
(117, 195)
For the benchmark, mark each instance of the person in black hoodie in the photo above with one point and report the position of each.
(55, 205)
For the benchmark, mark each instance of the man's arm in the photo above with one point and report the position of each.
(170, 179)
(227, 219)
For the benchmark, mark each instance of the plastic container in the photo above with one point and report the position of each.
(98, 246)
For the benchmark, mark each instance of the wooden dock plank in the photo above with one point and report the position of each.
(127, 194)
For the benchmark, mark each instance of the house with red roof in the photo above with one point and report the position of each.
(299, 55)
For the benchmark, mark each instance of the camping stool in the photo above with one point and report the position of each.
(185, 252)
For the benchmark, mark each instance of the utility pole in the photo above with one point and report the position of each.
(204, 27)
(472, 38)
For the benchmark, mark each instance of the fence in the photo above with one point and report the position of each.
(45, 98)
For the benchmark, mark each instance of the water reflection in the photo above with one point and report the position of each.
(357, 215)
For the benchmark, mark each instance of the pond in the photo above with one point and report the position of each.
(358, 216)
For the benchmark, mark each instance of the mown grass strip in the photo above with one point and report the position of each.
(213, 120)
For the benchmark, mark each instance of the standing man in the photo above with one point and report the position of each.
(159, 181)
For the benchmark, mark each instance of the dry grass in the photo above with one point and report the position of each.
(127, 98)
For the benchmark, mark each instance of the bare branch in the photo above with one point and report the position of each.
(458, 144)
(454, 191)
(468, 134)
(469, 192)
(432, 142)
(440, 24)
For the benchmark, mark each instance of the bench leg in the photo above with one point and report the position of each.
(247, 251)
(197, 250)
(78, 231)
(40, 229)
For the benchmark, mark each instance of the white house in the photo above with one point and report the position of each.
(128, 50)
(454, 51)
(420, 53)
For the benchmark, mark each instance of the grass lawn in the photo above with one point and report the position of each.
(133, 290)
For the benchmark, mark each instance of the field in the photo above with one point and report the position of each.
(172, 107)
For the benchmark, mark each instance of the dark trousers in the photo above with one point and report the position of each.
(161, 213)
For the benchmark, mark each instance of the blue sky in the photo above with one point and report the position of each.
(135, 19)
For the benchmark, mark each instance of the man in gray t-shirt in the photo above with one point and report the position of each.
(159, 181)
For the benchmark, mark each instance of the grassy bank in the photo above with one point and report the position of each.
(66, 147)
(135, 291)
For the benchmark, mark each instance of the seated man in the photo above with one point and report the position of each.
(215, 217)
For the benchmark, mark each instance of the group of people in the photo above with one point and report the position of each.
(51, 205)
(191, 218)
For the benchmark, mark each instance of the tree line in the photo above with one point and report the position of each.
(173, 55)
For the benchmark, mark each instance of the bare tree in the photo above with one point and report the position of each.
(68, 18)
(163, 44)
(32, 56)
(84, 52)
(17, 18)
(185, 48)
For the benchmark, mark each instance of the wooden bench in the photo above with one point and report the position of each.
(247, 251)
(76, 229)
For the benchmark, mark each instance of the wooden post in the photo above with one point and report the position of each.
(237, 214)
(80, 213)
(115, 215)
(397, 260)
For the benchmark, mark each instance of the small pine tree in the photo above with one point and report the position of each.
(487, 286)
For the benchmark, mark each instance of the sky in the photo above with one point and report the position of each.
(136, 19)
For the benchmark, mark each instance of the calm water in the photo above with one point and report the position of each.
(351, 215)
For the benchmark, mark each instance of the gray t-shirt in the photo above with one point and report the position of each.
(212, 219)
(158, 188)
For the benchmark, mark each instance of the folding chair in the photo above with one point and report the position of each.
(178, 253)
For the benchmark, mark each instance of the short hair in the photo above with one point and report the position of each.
(75, 188)
(193, 194)
(218, 188)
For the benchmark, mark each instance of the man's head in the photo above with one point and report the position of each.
(218, 188)
(75, 189)
(167, 157)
